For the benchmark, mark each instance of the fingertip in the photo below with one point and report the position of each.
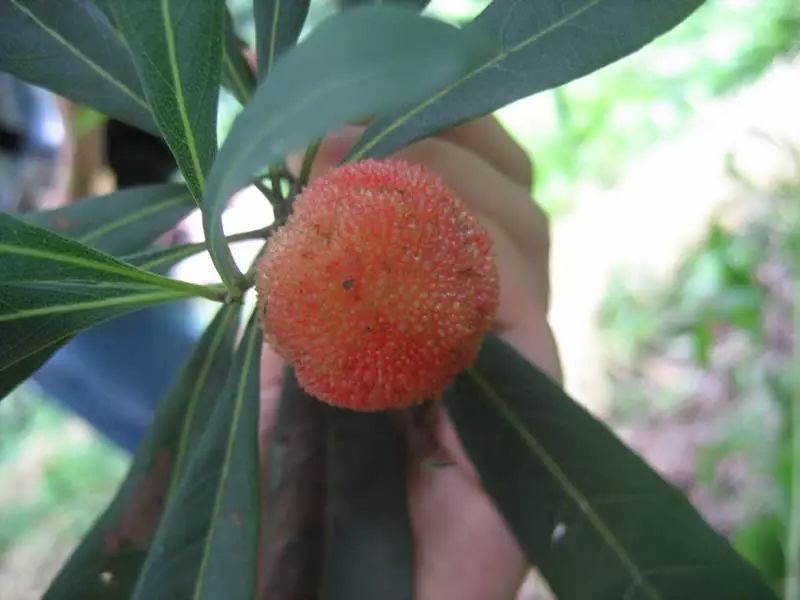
(271, 383)
(487, 138)
(450, 444)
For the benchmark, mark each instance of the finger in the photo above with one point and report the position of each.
(449, 514)
(486, 138)
(271, 383)
(487, 191)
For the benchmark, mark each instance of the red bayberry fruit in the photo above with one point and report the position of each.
(380, 286)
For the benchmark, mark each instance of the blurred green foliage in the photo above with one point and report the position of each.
(57, 473)
(589, 130)
(726, 318)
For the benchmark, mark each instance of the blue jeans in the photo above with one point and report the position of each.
(115, 374)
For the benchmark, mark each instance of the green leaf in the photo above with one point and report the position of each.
(763, 542)
(52, 287)
(589, 513)
(107, 563)
(278, 25)
(161, 259)
(415, 4)
(123, 222)
(237, 75)
(539, 45)
(294, 522)
(369, 545)
(358, 63)
(11, 375)
(69, 47)
(206, 545)
(177, 46)
(36, 319)
(33, 255)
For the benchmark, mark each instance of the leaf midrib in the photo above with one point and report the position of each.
(581, 501)
(501, 56)
(75, 51)
(172, 54)
(234, 75)
(273, 35)
(147, 211)
(231, 442)
(130, 272)
(191, 406)
(60, 309)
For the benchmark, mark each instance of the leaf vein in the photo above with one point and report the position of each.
(639, 577)
(74, 50)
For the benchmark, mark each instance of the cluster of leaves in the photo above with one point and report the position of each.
(187, 521)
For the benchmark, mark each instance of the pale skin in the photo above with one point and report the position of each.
(463, 549)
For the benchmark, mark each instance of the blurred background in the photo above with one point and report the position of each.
(672, 179)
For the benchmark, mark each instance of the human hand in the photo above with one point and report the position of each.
(462, 548)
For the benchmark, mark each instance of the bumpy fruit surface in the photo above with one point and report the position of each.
(380, 286)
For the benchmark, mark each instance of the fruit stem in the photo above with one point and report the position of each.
(305, 170)
(250, 276)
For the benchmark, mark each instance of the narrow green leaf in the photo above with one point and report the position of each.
(11, 375)
(294, 523)
(123, 222)
(31, 254)
(358, 63)
(278, 25)
(36, 319)
(237, 75)
(32, 299)
(207, 542)
(589, 513)
(368, 550)
(107, 562)
(52, 287)
(177, 46)
(539, 45)
(69, 47)
(161, 259)
(415, 4)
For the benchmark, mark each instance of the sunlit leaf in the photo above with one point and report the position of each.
(538, 45)
(69, 47)
(177, 46)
